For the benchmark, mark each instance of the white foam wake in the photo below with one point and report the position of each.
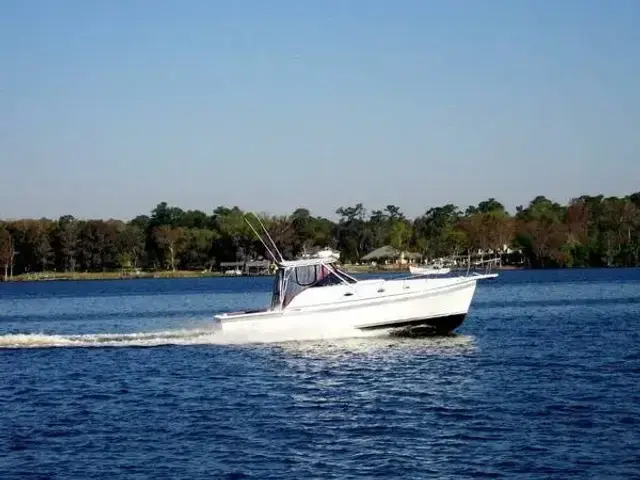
(141, 339)
(171, 337)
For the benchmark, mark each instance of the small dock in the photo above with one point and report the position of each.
(249, 267)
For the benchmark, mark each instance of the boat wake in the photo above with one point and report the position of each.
(206, 336)
(194, 336)
(141, 339)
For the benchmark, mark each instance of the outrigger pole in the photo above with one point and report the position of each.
(273, 244)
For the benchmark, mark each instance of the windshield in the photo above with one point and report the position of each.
(292, 281)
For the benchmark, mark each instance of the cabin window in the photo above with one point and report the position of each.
(301, 278)
(293, 281)
(343, 274)
(329, 279)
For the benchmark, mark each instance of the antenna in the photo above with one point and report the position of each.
(273, 244)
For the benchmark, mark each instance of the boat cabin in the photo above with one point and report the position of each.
(296, 276)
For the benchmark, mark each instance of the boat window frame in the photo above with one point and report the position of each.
(285, 275)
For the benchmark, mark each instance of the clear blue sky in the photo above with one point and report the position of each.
(108, 108)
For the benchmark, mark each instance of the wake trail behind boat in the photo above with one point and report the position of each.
(139, 339)
(169, 337)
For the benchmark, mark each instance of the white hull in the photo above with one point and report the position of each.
(416, 270)
(438, 304)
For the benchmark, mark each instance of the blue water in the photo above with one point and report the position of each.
(125, 379)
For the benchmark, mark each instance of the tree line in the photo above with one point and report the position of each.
(588, 231)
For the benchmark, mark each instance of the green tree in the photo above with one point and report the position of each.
(198, 251)
(6, 251)
(399, 235)
(437, 228)
(130, 243)
(236, 240)
(170, 241)
(65, 242)
(354, 234)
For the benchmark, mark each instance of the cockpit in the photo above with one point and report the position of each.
(292, 280)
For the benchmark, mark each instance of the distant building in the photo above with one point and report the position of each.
(389, 254)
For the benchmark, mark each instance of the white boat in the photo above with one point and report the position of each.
(428, 270)
(233, 271)
(328, 253)
(316, 292)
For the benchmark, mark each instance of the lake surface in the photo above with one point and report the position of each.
(126, 379)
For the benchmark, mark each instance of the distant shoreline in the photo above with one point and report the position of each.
(183, 274)
(82, 276)
(117, 275)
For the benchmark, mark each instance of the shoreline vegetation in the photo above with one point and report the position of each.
(182, 274)
(589, 231)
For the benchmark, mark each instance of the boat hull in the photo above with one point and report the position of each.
(432, 310)
(436, 325)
